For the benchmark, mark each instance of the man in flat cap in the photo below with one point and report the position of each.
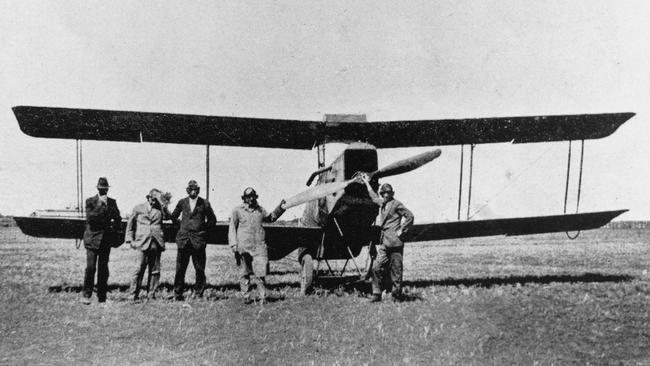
(103, 221)
(144, 233)
(197, 218)
(246, 239)
(394, 220)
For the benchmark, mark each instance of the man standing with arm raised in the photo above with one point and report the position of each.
(103, 221)
(144, 233)
(246, 237)
(394, 221)
(198, 217)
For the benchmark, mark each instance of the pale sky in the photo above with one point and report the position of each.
(299, 60)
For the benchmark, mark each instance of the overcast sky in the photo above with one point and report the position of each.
(300, 60)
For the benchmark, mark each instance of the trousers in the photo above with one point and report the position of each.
(258, 276)
(387, 270)
(148, 258)
(97, 261)
(182, 261)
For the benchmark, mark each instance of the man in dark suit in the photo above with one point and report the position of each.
(103, 221)
(197, 218)
(394, 221)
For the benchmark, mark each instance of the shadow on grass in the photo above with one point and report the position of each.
(522, 280)
(363, 288)
(352, 285)
(166, 286)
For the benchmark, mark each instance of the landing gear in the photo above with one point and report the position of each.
(306, 274)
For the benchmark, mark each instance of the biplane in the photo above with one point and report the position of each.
(338, 217)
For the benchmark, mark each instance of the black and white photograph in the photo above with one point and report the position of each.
(275, 182)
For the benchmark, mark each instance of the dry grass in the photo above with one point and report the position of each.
(530, 300)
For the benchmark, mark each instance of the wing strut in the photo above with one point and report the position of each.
(80, 183)
(321, 155)
(566, 186)
(471, 168)
(207, 172)
(460, 183)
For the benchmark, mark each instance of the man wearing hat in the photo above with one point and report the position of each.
(246, 239)
(103, 221)
(394, 221)
(144, 233)
(197, 218)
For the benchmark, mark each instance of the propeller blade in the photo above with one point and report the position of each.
(326, 189)
(316, 192)
(406, 165)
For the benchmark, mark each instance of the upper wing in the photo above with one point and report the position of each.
(511, 226)
(92, 124)
(486, 130)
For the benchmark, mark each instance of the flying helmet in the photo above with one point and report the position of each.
(386, 188)
(249, 192)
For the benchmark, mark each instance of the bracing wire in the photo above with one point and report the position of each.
(512, 181)
(582, 154)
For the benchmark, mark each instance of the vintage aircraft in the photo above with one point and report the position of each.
(338, 218)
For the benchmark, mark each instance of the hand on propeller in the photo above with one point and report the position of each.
(399, 167)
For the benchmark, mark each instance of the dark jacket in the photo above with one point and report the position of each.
(103, 221)
(194, 224)
(390, 219)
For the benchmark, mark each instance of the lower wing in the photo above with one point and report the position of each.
(286, 237)
(511, 226)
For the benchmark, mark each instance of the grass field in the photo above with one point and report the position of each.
(541, 300)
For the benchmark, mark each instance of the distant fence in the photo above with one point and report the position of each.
(627, 225)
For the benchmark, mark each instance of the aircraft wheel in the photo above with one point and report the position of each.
(306, 274)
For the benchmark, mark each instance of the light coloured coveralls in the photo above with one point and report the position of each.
(246, 236)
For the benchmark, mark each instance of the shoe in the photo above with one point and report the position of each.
(375, 298)
(85, 300)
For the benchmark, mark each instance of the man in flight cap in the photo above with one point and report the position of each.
(197, 218)
(103, 221)
(247, 240)
(394, 220)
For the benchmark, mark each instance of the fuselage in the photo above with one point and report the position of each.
(346, 216)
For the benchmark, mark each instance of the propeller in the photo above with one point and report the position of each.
(405, 165)
(398, 167)
(316, 192)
